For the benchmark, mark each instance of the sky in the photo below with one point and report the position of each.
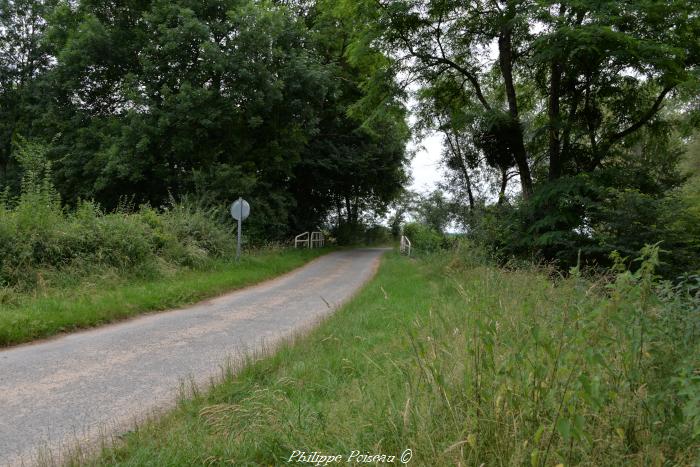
(425, 167)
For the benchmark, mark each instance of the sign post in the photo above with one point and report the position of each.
(240, 210)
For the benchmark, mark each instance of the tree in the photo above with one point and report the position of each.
(214, 99)
(562, 83)
(581, 97)
(356, 161)
(435, 211)
(23, 57)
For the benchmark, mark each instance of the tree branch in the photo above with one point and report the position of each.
(648, 115)
(435, 60)
(642, 121)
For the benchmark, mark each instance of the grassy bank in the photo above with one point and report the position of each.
(110, 295)
(464, 364)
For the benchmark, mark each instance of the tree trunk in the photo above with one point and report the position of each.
(555, 162)
(469, 188)
(468, 182)
(504, 185)
(505, 58)
(457, 152)
(348, 209)
(339, 209)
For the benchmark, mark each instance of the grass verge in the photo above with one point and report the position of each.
(111, 297)
(463, 364)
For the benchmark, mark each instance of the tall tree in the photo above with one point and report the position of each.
(587, 74)
(23, 57)
(357, 160)
(221, 98)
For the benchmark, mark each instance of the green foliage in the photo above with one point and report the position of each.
(35, 240)
(24, 56)
(434, 210)
(495, 228)
(691, 166)
(64, 269)
(578, 218)
(361, 234)
(496, 135)
(589, 104)
(38, 236)
(348, 233)
(216, 99)
(378, 235)
(560, 99)
(424, 238)
(356, 162)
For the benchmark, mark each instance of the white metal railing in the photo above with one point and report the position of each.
(302, 239)
(310, 240)
(317, 240)
(405, 246)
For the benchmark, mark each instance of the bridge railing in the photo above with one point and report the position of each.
(302, 239)
(405, 246)
(317, 240)
(310, 240)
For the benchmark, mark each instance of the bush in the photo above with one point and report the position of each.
(578, 219)
(351, 233)
(423, 238)
(180, 235)
(39, 237)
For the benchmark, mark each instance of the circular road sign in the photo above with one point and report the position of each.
(240, 209)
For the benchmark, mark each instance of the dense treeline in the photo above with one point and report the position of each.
(569, 127)
(216, 99)
(589, 105)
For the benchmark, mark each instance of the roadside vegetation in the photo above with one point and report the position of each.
(216, 99)
(570, 139)
(65, 269)
(464, 363)
(569, 128)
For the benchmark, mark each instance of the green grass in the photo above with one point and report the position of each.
(110, 295)
(464, 364)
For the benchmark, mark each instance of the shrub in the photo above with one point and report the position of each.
(198, 229)
(578, 218)
(38, 236)
(423, 238)
(349, 233)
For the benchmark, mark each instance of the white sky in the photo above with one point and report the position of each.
(425, 166)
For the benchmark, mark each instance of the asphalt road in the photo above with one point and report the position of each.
(80, 387)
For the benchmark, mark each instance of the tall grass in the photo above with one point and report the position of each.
(464, 364)
(44, 244)
(576, 372)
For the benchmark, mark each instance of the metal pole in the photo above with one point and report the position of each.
(240, 215)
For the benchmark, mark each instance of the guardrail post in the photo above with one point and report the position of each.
(405, 245)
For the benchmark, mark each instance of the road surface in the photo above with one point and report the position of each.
(79, 387)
